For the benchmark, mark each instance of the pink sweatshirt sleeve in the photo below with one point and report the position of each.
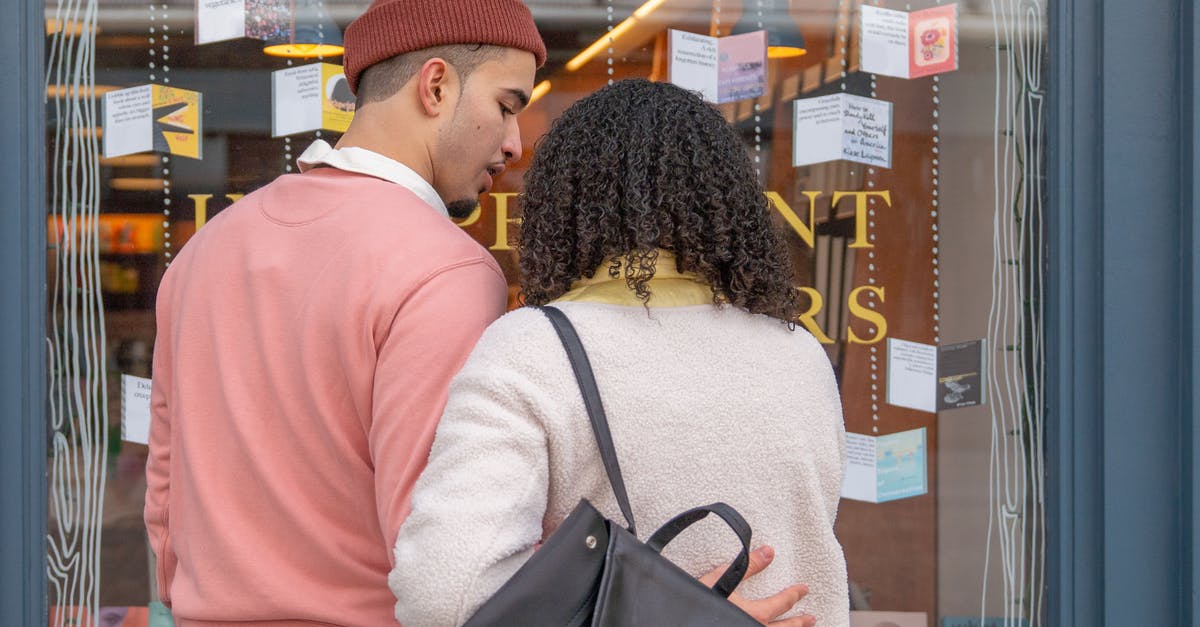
(433, 332)
(158, 466)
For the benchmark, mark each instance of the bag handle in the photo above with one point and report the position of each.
(595, 408)
(737, 569)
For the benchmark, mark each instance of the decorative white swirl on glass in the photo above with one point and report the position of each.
(78, 399)
(1016, 355)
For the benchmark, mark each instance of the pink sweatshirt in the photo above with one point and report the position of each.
(306, 339)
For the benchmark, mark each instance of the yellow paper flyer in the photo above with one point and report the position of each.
(177, 121)
(337, 103)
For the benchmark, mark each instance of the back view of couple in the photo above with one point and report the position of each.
(308, 337)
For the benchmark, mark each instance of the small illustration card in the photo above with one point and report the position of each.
(909, 45)
(722, 69)
(153, 118)
(961, 375)
(885, 468)
(222, 20)
(842, 126)
(309, 98)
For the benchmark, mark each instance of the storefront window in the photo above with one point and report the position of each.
(901, 145)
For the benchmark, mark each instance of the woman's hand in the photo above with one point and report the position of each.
(766, 610)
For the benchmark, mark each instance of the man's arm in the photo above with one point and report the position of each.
(158, 465)
(766, 610)
(433, 332)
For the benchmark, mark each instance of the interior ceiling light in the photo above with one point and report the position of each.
(541, 89)
(784, 38)
(313, 34)
(608, 39)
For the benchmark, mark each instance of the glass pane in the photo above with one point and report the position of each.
(903, 150)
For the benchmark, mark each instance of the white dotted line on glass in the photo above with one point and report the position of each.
(160, 62)
(870, 251)
(320, 51)
(758, 115)
(287, 141)
(609, 17)
(933, 211)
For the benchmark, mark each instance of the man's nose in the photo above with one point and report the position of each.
(512, 143)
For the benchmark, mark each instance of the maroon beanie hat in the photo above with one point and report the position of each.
(392, 27)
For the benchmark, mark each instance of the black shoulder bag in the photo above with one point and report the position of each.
(592, 571)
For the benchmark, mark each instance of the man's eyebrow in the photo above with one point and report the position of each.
(520, 95)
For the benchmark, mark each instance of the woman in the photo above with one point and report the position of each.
(645, 224)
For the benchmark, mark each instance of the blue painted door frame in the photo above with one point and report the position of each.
(1123, 285)
(1122, 289)
(22, 314)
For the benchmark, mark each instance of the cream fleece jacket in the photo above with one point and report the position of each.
(704, 403)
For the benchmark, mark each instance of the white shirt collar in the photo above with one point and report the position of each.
(363, 161)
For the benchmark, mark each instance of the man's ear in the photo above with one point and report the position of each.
(436, 83)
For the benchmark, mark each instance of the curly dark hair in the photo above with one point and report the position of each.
(638, 166)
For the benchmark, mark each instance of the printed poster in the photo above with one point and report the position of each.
(309, 98)
(885, 468)
(153, 118)
(721, 69)
(909, 45)
(842, 126)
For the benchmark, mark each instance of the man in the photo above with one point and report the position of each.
(308, 333)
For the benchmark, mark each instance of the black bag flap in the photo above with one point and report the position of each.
(565, 569)
(641, 588)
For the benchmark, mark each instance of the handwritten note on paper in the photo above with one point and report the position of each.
(912, 375)
(867, 135)
(135, 409)
(909, 45)
(220, 20)
(128, 127)
(842, 126)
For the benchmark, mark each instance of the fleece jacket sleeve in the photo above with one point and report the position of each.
(478, 508)
(431, 335)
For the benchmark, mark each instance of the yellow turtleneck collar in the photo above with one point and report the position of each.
(668, 288)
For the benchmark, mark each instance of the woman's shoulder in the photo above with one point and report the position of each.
(518, 335)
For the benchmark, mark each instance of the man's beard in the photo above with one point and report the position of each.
(461, 209)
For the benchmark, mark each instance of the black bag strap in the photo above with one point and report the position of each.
(737, 569)
(595, 408)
